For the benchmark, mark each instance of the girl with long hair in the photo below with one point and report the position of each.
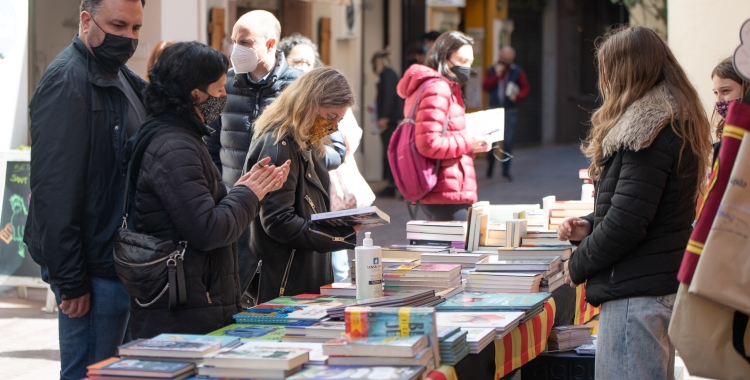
(649, 148)
(728, 86)
(291, 254)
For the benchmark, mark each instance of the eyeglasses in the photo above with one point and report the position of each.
(299, 62)
(500, 154)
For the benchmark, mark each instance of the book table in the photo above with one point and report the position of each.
(521, 345)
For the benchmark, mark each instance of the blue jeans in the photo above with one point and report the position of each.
(95, 336)
(632, 343)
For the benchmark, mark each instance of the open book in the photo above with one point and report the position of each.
(366, 216)
(490, 122)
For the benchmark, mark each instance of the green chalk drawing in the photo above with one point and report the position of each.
(18, 206)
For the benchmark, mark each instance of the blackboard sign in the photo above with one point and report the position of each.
(15, 260)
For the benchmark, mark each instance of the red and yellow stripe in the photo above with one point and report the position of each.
(584, 311)
(525, 342)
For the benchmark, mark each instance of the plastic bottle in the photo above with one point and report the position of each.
(368, 269)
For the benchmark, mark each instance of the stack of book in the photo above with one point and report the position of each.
(313, 331)
(348, 289)
(502, 322)
(552, 281)
(548, 251)
(478, 338)
(566, 338)
(413, 252)
(451, 234)
(538, 220)
(587, 349)
(453, 345)
(543, 239)
(255, 360)
(466, 260)
(384, 322)
(511, 274)
(415, 276)
(391, 351)
(561, 210)
(417, 298)
(386, 261)
(530, 303)
(284, 310)
(175, 348)
(319, 372)
(126, 368)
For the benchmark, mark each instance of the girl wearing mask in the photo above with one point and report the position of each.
(449, 61)
(728, 87)
(290, 252)
(649, 146)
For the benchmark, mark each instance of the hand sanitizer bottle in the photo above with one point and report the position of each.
(369, 269)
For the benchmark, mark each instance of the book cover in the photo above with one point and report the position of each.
(142, 368)
(314, 350)
(367, 216)
(444, 332)
(423, 358)
(252, 332)
(316, 372)
(438, 244)
(468, 301)
(499, 320)
(250, 355)
(329, 329)
(168, 348)
(495, 263)
(273, 314)
(434, 236)
(320, 301)
(225, 341)
(424, 270)
(476, 335)
(362, 322)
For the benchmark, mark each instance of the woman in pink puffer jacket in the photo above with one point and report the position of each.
(450, 61)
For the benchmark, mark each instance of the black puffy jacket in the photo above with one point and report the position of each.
(77, 131)
(174, 200)
(645, 207)
(233, 131)
(291, 254)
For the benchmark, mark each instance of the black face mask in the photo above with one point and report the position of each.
(114, 51)
(462, 74)
(212, 108)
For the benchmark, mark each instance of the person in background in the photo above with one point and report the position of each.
(728, 86)
(300, 52)
(155, 53)
(260, 73)
(290, 252)
(415, 53)
(390, 111)
(186, 91)
(449, 61)
(506, 82)
(649, 148)
(429, 39)
(86, 106)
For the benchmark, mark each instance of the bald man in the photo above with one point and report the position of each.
(260, 72)
(506, 82)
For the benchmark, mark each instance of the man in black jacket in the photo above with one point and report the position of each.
(390, 111)
(86, 106)
(259, 75)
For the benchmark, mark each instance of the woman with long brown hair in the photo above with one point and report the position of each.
(649, 147)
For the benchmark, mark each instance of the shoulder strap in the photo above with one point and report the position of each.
(413, 112)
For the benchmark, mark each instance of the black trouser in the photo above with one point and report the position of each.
(243, 259)
(386, 138)
(443, 213)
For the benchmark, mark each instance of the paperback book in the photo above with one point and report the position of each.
(168, 348)
(247, 332)
(367, 216)
(317, 372)
(432, 227)
(141, 368)
(479, 338)
(363, 322)
(392, 346)
(205, 371)
(324, 329)
(314, 350)
(499, 320)
(281, 314)
(252, 356)
(468, 301)
(225, 341)
(423, 358)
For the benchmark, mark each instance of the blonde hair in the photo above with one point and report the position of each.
(632, 61)
(295, 110)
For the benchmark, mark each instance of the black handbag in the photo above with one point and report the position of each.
(147, 266)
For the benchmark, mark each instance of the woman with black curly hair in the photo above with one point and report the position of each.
(179, 194)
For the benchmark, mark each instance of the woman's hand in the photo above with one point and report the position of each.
(358, 228)
(575, 229)
(262, 178)
(481, 145)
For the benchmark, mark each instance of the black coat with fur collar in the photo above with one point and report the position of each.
(645, 207)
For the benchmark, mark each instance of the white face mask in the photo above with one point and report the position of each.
(244, 59)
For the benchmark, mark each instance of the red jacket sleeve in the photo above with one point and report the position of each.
(491, 80)
(523, 84)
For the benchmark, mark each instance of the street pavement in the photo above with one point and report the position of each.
(29, 347)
